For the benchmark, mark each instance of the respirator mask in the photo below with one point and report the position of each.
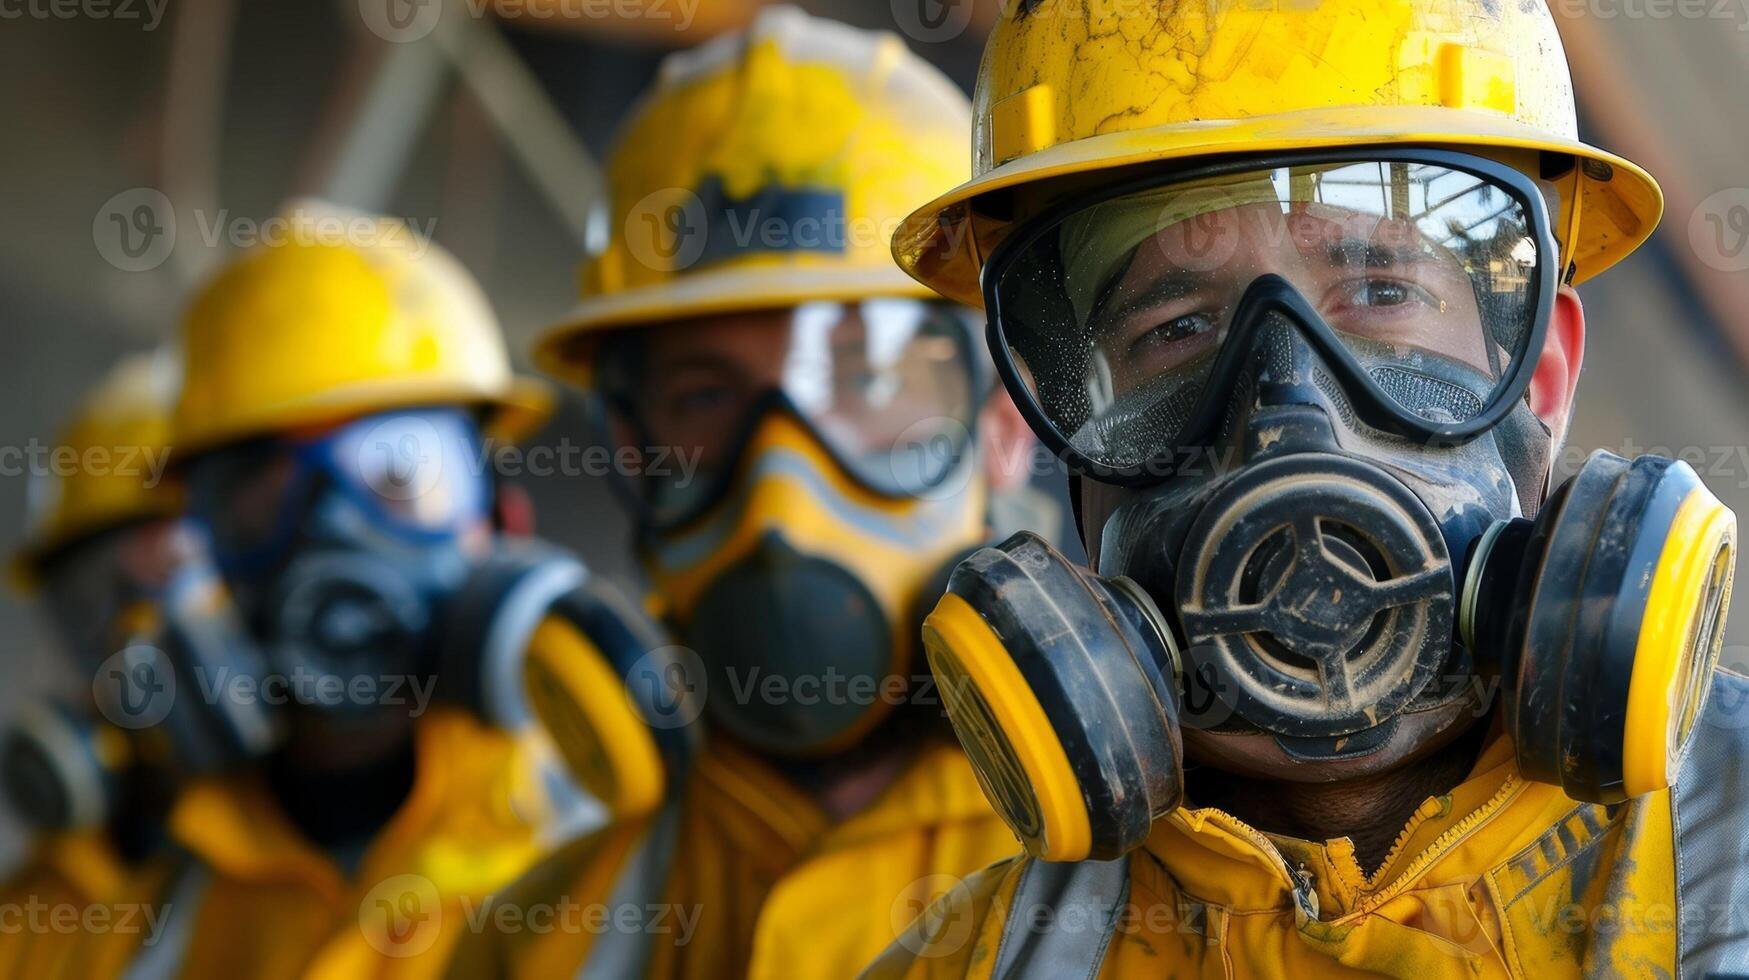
(362, 561)
(1304, 384)
(796, 507)
(114, 759)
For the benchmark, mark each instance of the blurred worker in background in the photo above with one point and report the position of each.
(816, 444)
(104, 545)
(1304, 327)
(334, 430)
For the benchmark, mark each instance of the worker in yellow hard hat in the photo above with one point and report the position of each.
(809, 441)
(102, 548)
(342, 394)
(1348, 690)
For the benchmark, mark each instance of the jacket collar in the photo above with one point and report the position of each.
(457, 827)
(86, 860)
(936, 787)
(1217, 858)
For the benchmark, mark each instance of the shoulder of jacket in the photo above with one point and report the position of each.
(1710, 819)
(954, 934)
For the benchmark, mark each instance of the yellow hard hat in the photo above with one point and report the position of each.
(107, 469)
(1068, 88)
(764, 170)
(337, 314)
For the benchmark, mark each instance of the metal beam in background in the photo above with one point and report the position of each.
(376, 133)
(194, 105)
(560, 166)
(379, 130)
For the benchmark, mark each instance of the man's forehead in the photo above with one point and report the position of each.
(751, 335)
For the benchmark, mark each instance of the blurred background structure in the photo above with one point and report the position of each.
(486, 119)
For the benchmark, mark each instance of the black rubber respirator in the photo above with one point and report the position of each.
(1307, 381)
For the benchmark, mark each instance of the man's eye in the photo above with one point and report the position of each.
(1386, 292)
(1175, 330)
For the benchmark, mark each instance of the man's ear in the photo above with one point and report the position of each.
(1557, 370)
(1007, 441)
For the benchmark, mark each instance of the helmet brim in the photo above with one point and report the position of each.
(566, 350)
(943, 244)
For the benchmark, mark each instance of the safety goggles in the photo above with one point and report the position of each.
(889, 388)
(416, 476)
(1127, 316)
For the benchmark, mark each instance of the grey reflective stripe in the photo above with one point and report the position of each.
(518, 615)
(161, 959)
(1062, 919)
(1710, 804)
(620, 954)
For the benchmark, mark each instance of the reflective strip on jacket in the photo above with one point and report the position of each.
(1498, 878)
(745, 876)
(245, 895)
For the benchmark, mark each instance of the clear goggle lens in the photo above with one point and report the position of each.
(416, 473)
(888, 386)
(1113, 314)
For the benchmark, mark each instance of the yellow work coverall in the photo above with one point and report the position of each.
(58, 894)
(244, 894)
(743, 875)
(1500, 877)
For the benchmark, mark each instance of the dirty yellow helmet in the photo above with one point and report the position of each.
(337, 314)
(107, 468)
(1072, 89)
(765, 170)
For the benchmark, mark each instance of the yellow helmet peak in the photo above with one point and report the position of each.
(1068, 88)
(341, 313)
(762, 170)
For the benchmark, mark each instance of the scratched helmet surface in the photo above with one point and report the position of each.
(763, 170)
(1070, 90)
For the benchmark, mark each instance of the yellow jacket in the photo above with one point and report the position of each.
(53, 897)
(1498, 878)
(744, 875)
(245, 895)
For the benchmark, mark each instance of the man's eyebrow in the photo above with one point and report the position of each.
(1376, 254)
(1170, 285)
